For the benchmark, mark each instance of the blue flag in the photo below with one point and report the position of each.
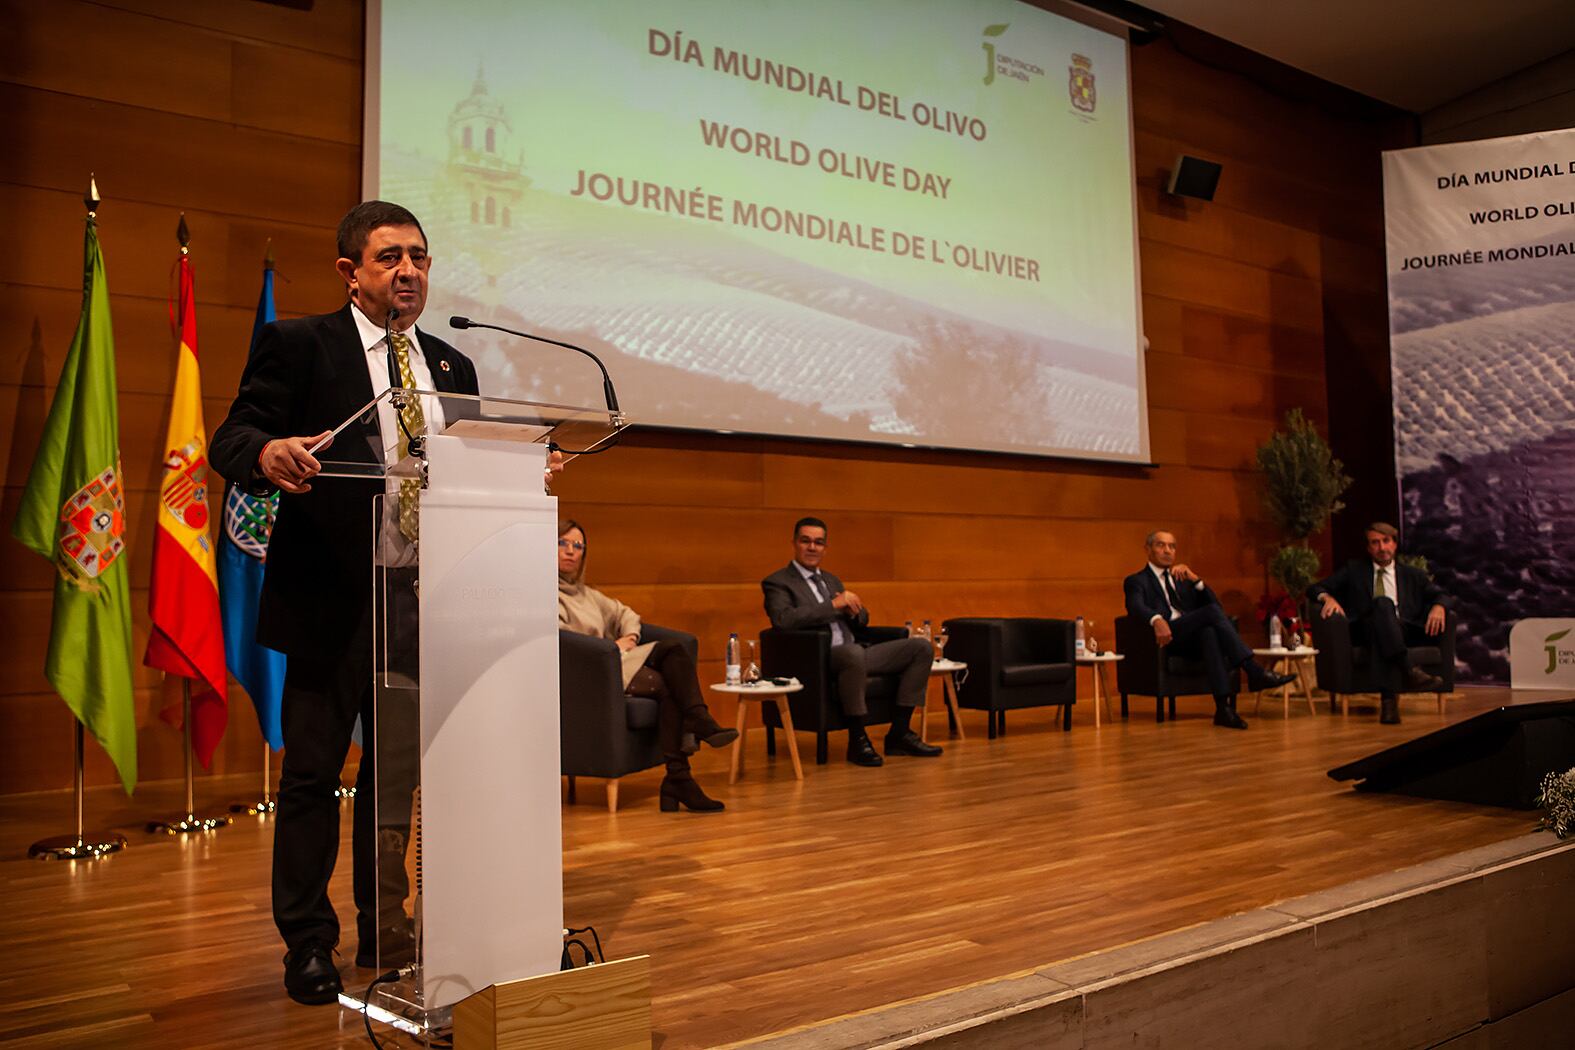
(248, 522)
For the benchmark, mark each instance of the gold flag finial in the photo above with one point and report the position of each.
(182, 234)
(268, 255)
(92, 199)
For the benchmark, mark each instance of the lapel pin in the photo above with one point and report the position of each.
(443, 365)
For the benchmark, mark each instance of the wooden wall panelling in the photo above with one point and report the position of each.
(261, 141)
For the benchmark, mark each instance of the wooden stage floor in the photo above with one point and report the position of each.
(804, 901)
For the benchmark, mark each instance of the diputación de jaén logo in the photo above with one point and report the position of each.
(1004, 64)
(1557, 654)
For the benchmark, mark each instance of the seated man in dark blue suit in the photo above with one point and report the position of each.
(1390, 606)
(1188, 620)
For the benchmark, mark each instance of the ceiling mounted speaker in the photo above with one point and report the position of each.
(1193, 177)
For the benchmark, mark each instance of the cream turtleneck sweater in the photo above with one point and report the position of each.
(585, 610)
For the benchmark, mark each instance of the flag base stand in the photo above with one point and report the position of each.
(188, 822)
(77, 847)
(80, 846)
(265, 805)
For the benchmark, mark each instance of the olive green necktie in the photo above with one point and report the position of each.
(1378, 584)
(416, 423)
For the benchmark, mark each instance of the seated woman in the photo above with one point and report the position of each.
(660, 670)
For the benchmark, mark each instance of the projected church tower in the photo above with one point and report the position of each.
(479, 135)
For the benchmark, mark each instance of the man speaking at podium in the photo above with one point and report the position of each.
(304, 377)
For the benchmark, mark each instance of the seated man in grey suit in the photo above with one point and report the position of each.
(802, 596)
(1390, 606)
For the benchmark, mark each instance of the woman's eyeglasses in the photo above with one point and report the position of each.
(570, 545)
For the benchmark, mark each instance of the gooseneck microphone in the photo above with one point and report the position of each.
(608, 392)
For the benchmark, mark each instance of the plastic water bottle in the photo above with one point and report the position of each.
(926, 633)
(735, 673)
(1081, 645)
(907, 628)
(1274, 631)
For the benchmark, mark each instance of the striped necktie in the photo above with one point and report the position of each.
(415, 422)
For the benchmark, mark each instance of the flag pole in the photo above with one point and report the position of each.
(266, 804)
(189, 821)
(79, 846)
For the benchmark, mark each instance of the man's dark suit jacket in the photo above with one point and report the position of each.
(1146, 598)
(791, 602)
(305, 376)
(1352, 587)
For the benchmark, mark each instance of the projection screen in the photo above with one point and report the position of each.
(900, 221)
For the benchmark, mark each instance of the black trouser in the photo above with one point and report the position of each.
(669, 677)
(322, 698)
(1381, 629)
(1207, 634)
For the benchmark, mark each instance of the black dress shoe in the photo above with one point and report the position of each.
(310, 975)
(1225, 716)
(908, 743)
(862, 753)
(1260, 680)
(1422, 682)
(398, 946)
(1389, 710)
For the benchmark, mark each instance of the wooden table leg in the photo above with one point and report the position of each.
(738, 745)
(949, 695)
(792, 738)
(1306, 684)
(924, 715)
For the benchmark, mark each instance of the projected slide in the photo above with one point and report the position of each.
(903, 221)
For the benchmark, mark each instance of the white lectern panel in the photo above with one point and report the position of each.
(492, 853)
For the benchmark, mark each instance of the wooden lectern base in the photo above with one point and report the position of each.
(602, 1007)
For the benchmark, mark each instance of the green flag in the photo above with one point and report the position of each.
(73, 513)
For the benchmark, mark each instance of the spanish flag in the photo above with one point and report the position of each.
(188, 637)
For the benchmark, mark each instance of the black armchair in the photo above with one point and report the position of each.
(1345, 667)
(1149, 670)
(806, 655)
(603, 732)
(1013, 663)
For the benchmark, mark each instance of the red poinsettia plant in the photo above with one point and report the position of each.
(1278, 603)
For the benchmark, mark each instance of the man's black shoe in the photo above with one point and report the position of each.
(399, 946)
(1259, 680)
(862, 753)
(1229, 720)
(310, 975)
(1422, 682)
(1389, 710)
(908, 743)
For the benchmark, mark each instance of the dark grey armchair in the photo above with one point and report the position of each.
(806, 655)
(603, 732)
(1149, 670)
(1015, 663)
(1345, 667)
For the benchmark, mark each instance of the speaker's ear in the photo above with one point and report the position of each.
(1193, 177)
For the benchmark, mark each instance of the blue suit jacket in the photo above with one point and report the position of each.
(1146, 598)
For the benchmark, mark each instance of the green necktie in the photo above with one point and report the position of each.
(415, 422)
(1378, 584)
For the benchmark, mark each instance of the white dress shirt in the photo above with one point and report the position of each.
(840, 635)
(394, 550)
(1159, 574)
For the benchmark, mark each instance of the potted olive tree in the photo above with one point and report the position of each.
(1302, 486)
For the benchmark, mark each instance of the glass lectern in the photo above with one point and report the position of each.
(465, 738)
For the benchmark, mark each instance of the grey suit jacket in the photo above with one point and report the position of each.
(791, 602)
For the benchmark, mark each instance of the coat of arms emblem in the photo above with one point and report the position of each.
(185, 488)
(92, 523)
(1080, 83)
(248, 520)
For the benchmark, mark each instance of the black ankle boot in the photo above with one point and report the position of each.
(682, 790)
(707, 730)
